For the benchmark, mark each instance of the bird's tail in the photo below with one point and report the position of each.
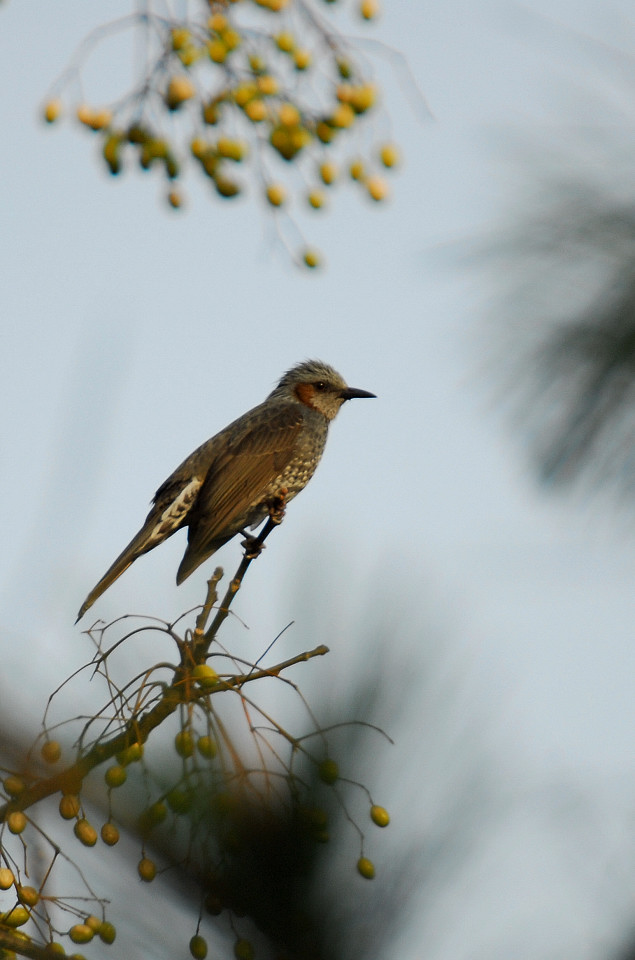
(138, 545)
(196, 553)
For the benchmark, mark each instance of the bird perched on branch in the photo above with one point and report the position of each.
(244, 474)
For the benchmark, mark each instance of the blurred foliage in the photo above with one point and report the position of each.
(567, 325)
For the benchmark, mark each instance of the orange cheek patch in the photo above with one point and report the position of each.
(305, 393)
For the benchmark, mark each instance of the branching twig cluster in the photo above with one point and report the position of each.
(200, 800)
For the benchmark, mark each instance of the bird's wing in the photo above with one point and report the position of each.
(172, 502)
(250, 461)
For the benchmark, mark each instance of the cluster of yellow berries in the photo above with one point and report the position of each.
(27, 897)
(253, 87)
(243, 949)
(328, 772)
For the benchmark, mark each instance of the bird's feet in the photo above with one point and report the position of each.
(277, 507)
(253, 546)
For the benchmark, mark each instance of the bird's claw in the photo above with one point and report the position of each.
(252, 546)
(277, 507)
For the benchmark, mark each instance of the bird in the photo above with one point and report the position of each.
(243, 474)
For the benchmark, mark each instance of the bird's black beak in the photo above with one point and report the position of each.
(351, 392)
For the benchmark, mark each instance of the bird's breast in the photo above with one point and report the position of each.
(296, 473)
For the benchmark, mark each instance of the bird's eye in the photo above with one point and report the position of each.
(320, 385)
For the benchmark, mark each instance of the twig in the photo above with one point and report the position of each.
(202, 644)
(212, 597)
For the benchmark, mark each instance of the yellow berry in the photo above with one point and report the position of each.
(231, 39)
(256, 63)
(95, 119)
(136, 134)
(109, 834)
(362, 98)
(198, 947)
(15, 918)
(369, 9)
(289, 115)
(379, 816)
(175, 199)
(328, 172)
(217, 22)
(7, 878)
(94, 923)
(276, 194)
(389, 155)
(205, 675)
(84, 114)
(302, 59)
(225, 187)
(216, 51)
(244, 93)
(81, 933)
(107, 932)
(256, 110)
(267, 85)
(147, 870)
(343, 117)
(13, 786)
(69, 806)
(16, 821)
(356, 170)
(328, 771)
(285, 41)
(318, 817)
(115, 776)
(206, 746)
(52, 110)
(210, 112)
(231, 150)
(311, 258)
(244, 950)
(179, 801)
(131, 754)
(189, 55)
(184, 743)
(180, 38)
(51, 751)
(366, 868)
(100, 119)
(54, 949)
(316, 199)
(27, 895)
(156, 813)
(111, 152)
(288, 141)
(198, 147)
(324, 131)
(179, 90)
(377, 188)
(85, 833)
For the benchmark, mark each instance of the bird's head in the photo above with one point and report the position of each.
(317, 386)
